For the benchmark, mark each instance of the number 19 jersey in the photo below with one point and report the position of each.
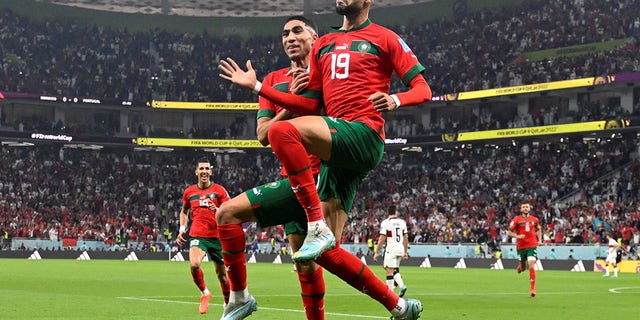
(350, 65)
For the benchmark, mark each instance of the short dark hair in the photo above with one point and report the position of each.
(204, 159)
(392, 209)
(308, 22)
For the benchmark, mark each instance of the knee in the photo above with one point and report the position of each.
(281, 130)
(222, 277)
(306, 267)
(223, 214)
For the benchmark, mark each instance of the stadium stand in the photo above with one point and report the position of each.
(580, 188)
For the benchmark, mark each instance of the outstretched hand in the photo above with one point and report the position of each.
(233, 72)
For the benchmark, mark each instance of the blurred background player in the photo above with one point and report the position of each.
(203, 199)
(526, 229)
(394, 237)
(273, 203)
(350, 72)
(614, 255)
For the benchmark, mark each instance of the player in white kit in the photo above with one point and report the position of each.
(612, 256)
(394, 237)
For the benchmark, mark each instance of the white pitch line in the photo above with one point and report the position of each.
(259, 308)
(617, 290)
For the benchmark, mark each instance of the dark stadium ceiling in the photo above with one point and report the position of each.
(219, 8)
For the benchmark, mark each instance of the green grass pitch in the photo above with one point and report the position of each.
(113, 289)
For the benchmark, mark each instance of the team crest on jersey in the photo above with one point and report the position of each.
(364, 48)
(404, 45)
(273, 185)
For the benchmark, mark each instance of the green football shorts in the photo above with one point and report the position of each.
(211, 246)
(357, 149)
(524, 254)
(275, 203)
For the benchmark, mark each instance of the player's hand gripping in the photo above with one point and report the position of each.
(300, 79)
(233, 72)
(382, 102)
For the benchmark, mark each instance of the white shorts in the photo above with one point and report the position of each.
(611, 258)
(392, 260)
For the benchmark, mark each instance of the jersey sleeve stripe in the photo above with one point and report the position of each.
(265, 113)
(415, 70)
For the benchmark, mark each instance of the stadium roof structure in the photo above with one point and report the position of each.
(219, 8)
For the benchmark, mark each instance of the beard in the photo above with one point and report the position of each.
(350, 10)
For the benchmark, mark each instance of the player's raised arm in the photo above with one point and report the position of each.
(295, 103)
(233, 72)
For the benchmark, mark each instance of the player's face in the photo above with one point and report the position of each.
(203, 172)
(525, 209)
(349, 7)
(297, 39)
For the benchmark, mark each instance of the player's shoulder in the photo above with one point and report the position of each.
(191, 188)
(276, 76)
(379, 28)
(217, 186)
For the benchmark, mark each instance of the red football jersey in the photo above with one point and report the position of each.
(356, 63)
(280, 81)
(527, 226)
(203, 219)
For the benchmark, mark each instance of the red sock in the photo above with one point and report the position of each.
(532, 278)
(233, 243)
(198, 278)
(225, 291)
(312, 290)
(286, 142)
(355, 273)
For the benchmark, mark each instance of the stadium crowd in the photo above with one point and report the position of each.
(68, 58)
(460, 195)
(449, 196)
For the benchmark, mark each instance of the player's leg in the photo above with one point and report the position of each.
(389, 273)
(196, 254)
(230, 216)
(606, 265)
(522, 261)
(357, 150)
(354, 272)
(269, 204)
(310, 275)
(291, 141)
(391, 264)
(215, 252)
(397, 277)
(615, 269)
(532, 257)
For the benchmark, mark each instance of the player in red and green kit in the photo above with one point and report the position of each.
(273, 203)
(203, 199)
(526, 229)
(350, 72)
